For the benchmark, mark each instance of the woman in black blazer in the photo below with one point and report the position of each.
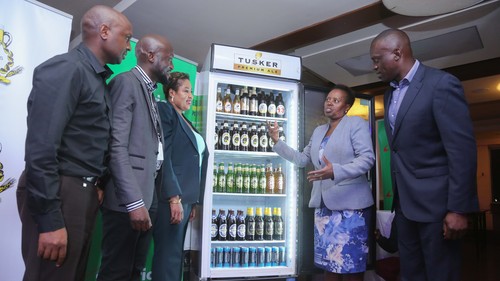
(183, 182)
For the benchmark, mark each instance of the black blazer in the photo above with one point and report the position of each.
(181, 165)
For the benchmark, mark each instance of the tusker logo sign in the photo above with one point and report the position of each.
(7, 68)
(9, 182)
(257, 64)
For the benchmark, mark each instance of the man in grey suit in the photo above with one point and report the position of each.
(136, 154)
(433, 159)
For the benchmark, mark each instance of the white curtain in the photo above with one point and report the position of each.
(30, 33)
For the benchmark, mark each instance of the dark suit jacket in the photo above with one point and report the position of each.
(433, 150)
(181, 168)
(134, 143)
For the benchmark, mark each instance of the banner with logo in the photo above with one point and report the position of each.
(385, 165)
(30, 33)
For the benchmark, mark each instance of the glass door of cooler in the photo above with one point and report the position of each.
(240, 181)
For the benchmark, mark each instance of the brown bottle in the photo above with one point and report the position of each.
(259, 225)
(231, 226)
(214, 231)
(268, 224)
(280, 106)
(240, 226)
(250, 225)
(222, 225)
(278, 224)
(279, 181)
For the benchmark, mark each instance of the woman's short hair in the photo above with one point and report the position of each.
(174, 82)
(349, 93)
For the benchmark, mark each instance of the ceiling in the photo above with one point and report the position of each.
(332, 37)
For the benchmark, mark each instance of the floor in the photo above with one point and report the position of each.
(481, 258)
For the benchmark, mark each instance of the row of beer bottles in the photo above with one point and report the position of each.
(249, 179)
(244, 138)
(239, 227)
(260, 104)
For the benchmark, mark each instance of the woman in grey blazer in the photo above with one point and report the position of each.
(342, 153)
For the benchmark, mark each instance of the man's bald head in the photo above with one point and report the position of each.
(106, 32)
(392, 39)
(150, 43)
(154, 55)
(392, 55)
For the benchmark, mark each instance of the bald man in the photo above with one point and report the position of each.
(136, 153)
(433, 159)
(66, 146)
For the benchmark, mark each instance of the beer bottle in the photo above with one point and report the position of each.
(281, 134)
(271, 106)
(238, 179)
(270, 179)
(221, 178)
(240, 226)
(280, 106)
(237, 102)
(254, 103)
(219, 106)
(228, 103)
(244, 137)
(222, 225)
(230, 179)
(250, 225)
(268, 224)
(254, 138)
(245, 102)
(231, 225)
(216, 136)
(236, 138)
(259, 225)
(246, 179)
(270, 143)
(226, 136)
(262, 104)
(254, 180)
(263, 138)
(262, 180)
(278, 225)
(279, 181)
(214, 186)
(214, 231)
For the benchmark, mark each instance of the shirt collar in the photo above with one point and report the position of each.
(102, 70)
(409, 76)
(149, 83)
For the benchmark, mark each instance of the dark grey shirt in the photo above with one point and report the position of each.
(68, 129)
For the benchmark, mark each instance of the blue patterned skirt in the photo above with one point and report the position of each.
(341, 239)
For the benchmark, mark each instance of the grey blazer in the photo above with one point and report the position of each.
(350, 151)
(134, 143)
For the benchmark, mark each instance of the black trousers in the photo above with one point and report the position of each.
(169, 244)
(124, 250)
(79, 208)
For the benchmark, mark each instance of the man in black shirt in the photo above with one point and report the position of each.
(66, 143)
(129, 205)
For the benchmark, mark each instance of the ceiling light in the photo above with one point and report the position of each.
(421, 8)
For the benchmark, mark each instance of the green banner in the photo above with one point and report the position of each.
(385, 165)
(192, 114)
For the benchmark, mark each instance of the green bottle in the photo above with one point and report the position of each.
(214, 184)
(246, 179)
(221, 178)
(262, 179)
(254, 180)
(230, 183)
(238, 179)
